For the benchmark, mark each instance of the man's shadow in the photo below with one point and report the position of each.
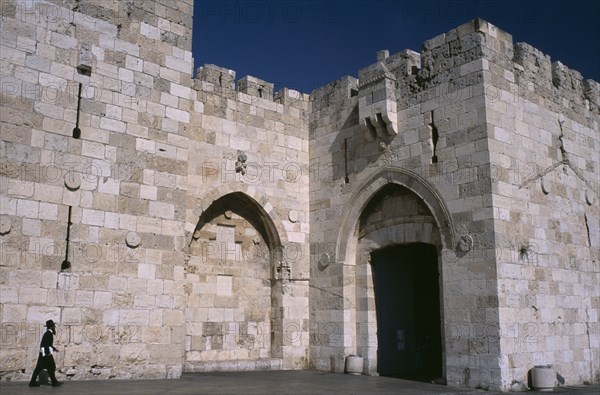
(43, 378)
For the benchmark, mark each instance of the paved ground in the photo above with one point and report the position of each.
(263, 383)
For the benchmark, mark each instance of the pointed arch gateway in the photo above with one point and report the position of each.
(400, 176)
(231, 320)
(391, 244)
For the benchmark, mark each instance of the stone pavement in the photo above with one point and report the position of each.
(274, 382)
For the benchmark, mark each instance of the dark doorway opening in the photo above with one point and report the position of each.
(407, 299)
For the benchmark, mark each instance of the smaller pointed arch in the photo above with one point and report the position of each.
(411, 181)
(248, 196)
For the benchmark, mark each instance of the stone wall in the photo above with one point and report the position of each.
(220, 225)
(462, 106)
(141, 295)
(248, 152)
(120, 304)
(543, 121)
(438, 92)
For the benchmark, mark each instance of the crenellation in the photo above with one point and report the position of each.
(404, 63)
(334, 93)
(591, 91)
(537, 76)
(248, 90)
(448, 62)
(256, 87)
(291, 97)
(216, 75)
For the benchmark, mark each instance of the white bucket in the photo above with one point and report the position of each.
(354, 365)
(543, 378)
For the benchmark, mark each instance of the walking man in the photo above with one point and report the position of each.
(45, 358)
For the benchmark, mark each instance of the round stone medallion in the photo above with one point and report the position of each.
(5, 225)
(132, 239)
(72, 180)
(293, 216)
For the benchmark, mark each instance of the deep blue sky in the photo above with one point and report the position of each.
(304, 44)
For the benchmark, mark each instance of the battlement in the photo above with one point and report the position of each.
(256, 87)
(458, 59)
(455, 59)
(219, 77)
(402, 63)
(220, 80)
(335, 92)
(554, 79)
(442, 59)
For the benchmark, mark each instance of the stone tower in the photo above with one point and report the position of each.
(437, 216)
(487, 151)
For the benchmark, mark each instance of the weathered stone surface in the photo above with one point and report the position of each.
(224, 227)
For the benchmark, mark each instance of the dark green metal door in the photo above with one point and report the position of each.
(406, 281)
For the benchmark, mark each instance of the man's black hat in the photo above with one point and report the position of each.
(49, 324)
